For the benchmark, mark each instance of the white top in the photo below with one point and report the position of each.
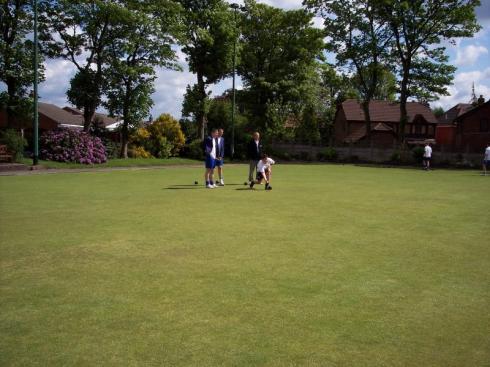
(487, 154)
(261, 166)
(212, 153)
(427, 151)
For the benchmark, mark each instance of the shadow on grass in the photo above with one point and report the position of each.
(184, 188)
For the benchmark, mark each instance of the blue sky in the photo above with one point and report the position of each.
(471, 56)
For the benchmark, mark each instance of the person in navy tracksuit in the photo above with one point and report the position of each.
(220, 153)
(210, 161)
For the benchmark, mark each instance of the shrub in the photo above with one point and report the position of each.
(112, 149)
(14, 142)
(66, 145)
(165, 133)
(396, 157)
(418, 154)
(138, 152)
(194, 149)
(331, 154)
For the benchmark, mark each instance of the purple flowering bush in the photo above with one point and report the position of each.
(65, 145)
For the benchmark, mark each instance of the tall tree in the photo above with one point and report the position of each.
(419, 27)
(208, 44)
(16, 57)
(360, 40)
(142, 40)
(279, 54)
(80, 32)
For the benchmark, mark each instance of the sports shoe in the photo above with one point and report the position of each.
(252, 183)
(209, 187)
(268, 187)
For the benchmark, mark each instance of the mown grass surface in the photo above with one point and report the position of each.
(113, 163)
(336, 266)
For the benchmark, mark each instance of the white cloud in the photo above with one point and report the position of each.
(469, 55)
(460, 91)
(57, 80)
(284, 4)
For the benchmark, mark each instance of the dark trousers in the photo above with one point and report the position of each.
(252, 169)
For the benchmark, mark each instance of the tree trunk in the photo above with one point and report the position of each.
(88, 116)
(201, 113)
(12, 101)
(124, 141)
(367, 119)
(403, 102)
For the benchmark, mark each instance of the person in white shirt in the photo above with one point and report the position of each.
(486, 160)
(220, 153)
(264, 172)
(210, 161)
(427, 156)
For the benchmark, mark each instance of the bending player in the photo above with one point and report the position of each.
(264, 172)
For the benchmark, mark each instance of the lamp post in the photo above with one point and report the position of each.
(235, 8)
(36, 118)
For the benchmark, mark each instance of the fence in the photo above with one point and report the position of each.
(376, 155)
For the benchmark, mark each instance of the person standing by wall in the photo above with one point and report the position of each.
(486, 160)
(254, 152)
(220, 154)
(427, 156)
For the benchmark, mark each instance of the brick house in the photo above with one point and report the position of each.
(350, 127)
(52, 117)
(472, 129)
(464, 128)
(446, 128)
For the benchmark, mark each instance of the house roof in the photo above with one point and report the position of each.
(59, 115)
(450, 115)
(360, 132)
(386, 111)
(105, 119)
(473, 110)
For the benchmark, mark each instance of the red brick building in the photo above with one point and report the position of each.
(464, 128)
(350, 126)
(52, 117)
(446, 126)
(473, 129)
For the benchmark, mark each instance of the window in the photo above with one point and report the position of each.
(484, 125)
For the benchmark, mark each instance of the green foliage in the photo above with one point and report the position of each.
(396, 157)
(166, 137)
(418, 154)
(278, 62)
(418, 28)
(16, 59)
(331, 154)
(360, 40)
(139, 152)
(142, 41)
(308, 129)
(81, 32)
(195, 101)
(14, 142)
(209, 36)
(438, 111)
(194, 149)
(189, 128)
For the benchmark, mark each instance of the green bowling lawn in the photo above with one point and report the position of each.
(336, 266)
